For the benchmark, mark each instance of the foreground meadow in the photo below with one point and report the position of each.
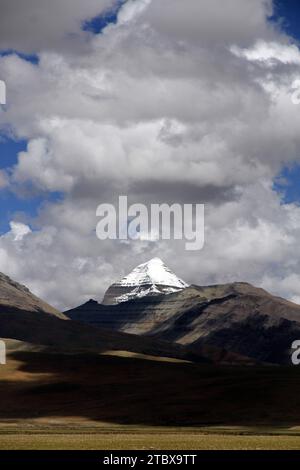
(147, 441)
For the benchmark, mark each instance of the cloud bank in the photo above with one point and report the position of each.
(176, 102)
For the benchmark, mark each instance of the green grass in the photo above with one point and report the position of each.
(102, 436)
(144, 441)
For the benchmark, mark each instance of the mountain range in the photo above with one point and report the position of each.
(152, 311)
(195, 356)
(25, 317)
(237, 317)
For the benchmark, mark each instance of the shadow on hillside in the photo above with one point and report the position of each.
(39, 328)
(142, 392)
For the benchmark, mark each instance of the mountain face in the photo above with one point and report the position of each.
(16, 296)
(238, 317)
(25, 317)
(148, 279)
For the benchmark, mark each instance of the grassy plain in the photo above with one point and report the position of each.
(145, 439)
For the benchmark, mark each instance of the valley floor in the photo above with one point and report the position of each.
(116, 402)
(146, 440)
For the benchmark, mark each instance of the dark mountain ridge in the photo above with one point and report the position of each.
(237, 317)
(25, 317)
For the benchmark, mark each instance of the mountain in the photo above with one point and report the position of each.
(61, 370)
(148, 279)
(237, 317)
(16, 296)
(25, 317)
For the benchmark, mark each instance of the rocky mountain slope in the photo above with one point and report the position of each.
(16, 296)
(237, 317)
(151, 278)
(25, 317)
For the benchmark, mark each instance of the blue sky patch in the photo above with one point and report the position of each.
(32, 58)
(22, 209)
(14, 205)
(98, 23)
(9, 150)
(287, 12)
(288, 184)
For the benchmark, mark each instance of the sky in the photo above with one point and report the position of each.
(287, 12)
(161, 101)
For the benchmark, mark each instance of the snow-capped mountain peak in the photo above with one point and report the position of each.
(151, 278)
(152, 272)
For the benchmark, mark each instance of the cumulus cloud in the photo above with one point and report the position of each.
(206, 22)
(32, 26)
(269, 53)
(19, 230)
(176, 102)
(132, 10)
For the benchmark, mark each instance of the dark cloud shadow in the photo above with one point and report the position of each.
(126, 390)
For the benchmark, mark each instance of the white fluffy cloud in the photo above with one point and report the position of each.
(268, 53)
(177, 102)
(19, 230)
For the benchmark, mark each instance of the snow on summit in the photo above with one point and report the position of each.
(151, 278)
(152, 272)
